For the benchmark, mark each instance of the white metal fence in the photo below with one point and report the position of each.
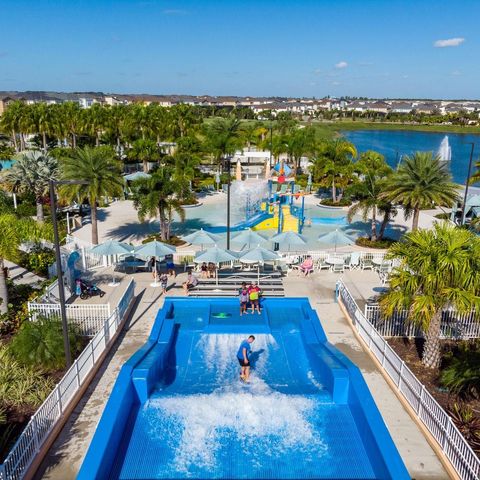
(428, 411)
(454, 325)
(46, 417)
(89, 318)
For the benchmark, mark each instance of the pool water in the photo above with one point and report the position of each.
(179, 409)
(202, 422)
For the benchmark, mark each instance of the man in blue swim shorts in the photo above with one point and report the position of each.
(242, 356)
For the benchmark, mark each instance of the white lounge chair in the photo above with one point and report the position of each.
(354, 261)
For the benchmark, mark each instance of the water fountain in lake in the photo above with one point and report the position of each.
(445, 151)
(247, 196)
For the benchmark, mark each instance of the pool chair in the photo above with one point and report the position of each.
(354, 261)
(338, 267)
(321, 264)
(366, 264)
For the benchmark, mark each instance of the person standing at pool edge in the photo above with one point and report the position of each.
(243, 357)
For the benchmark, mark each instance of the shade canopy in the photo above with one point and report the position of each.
(289, 239)
(248, 237)
(201, 237)
(336, 237)
(155, 249)
(215, 255)
(259, 255)
(136, 176)
(112, 247)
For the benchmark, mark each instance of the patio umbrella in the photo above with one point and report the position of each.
(336, 237)
(289, 239)
(249, 237)
(215, 255)
(202, 237)
(155, 249)
(259, 255)
(111, 247)
(136, 176)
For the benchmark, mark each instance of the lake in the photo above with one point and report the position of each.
(395, 143)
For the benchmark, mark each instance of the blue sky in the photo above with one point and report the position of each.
(289, 48)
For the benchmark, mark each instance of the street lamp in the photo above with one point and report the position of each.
(227, 162)
(58, 261)
(464, 210)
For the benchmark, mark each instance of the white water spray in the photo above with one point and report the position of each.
(445, 151)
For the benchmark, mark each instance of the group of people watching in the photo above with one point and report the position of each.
(208, 270)
(249, 296)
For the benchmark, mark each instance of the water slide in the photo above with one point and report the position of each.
(179, 410)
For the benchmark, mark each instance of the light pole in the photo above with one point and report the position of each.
(464, 209)
(228, 161)
(58, 261)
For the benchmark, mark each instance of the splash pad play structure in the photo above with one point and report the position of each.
(179, 410)
(268, 204)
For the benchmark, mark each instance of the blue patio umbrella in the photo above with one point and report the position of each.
(336, 237)
(215, 255)
(112, 247)
(136, 176)
(259, 255)
(156, 250)
(289, 239)
(248, 237)
(202, 237)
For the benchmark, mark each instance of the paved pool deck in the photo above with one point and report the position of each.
(66, 454)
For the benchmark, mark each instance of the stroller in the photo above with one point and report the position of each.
(85, 290)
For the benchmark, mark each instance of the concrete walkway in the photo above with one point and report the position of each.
(66, 455)
(21, 276)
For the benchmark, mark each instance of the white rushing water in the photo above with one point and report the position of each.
(445, 151)
(256, 418)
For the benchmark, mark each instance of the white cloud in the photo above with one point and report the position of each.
(449, 42)
(456, 73)
(335, 84)
(317, 71)
(342, 64)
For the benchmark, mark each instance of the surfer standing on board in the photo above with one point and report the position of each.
(242, 356)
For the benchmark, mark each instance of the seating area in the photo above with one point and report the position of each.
(230, 281)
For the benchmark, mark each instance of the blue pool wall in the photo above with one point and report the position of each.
(140, 373)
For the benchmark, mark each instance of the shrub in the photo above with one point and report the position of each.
(38, 260)
(26, 210)
(367, 242)
(344, 202)
(21, 386)
(462, 373)
(40, 343)
(468, 422)
(443, 216)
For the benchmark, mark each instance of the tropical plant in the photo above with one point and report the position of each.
(101, 174)
(468, 422)
(159, 196)
(31, 173)
(332, 166)
(438, 269)
(421, 181)
(462, 375)
(373, 170)
(21, 386)
(39, 343)
(144, 150)
(223, 137)
(14, 231)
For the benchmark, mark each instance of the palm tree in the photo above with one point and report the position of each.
(159, 195)
(144, 150)
(44, 121)
(333, 164)
(15, 231)
(476, 176)
(32, 173)
(94, 119)
(439, 268)
(11, 121)
(101, 172)
(223, 137)
(372, 169)
(71, 117)
(421, 181)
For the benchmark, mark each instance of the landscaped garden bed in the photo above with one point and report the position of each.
(456, 386)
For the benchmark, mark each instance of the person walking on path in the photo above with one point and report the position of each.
(243, 354)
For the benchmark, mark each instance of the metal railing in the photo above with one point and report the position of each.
(46, 417)
(463, 459)
(455, 325)
(89, 318)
